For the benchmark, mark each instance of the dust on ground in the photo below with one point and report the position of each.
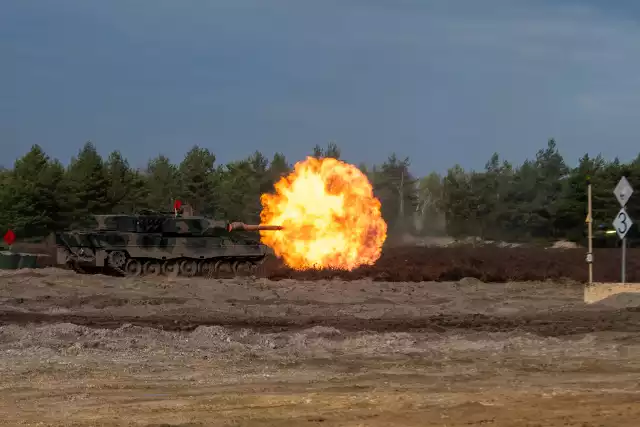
(105, 351)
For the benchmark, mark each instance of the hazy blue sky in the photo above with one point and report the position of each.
(439, 81)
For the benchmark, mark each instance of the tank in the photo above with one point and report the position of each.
(155, 243)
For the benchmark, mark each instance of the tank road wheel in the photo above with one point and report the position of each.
(133, 267)
(257, 267)
(225, 266)
(189, 268)
(207, 268)
(152, 268)
(253, 268)
(170, 268)
(241, 267)
(117, 260)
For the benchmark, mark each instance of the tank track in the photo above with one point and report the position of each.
(121, 264)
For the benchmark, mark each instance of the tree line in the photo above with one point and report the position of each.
(541, 199)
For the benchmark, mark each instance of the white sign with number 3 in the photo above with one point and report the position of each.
(622, 223)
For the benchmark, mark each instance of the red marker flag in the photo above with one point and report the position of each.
(177, 204)
(9, 237)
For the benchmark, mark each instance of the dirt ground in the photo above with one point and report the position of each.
(107, 351)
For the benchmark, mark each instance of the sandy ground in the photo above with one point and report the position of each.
(106, 351)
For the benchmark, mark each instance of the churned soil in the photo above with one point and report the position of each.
(94, 350)
(491, 264)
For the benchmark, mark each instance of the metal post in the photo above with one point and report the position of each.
(590, 221)
(624, 259)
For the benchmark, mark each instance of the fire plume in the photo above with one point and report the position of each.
(329, 215)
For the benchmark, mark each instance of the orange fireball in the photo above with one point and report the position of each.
(330, 217)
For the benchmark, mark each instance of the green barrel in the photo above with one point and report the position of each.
(9, 260)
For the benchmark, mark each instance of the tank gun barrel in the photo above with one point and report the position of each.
(240, 226)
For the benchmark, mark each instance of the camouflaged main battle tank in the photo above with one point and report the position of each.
(154, 243)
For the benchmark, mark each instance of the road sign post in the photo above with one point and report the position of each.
(623, 222)
(623, 268)
(589, 222)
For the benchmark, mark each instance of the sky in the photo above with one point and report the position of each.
(441, 82)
